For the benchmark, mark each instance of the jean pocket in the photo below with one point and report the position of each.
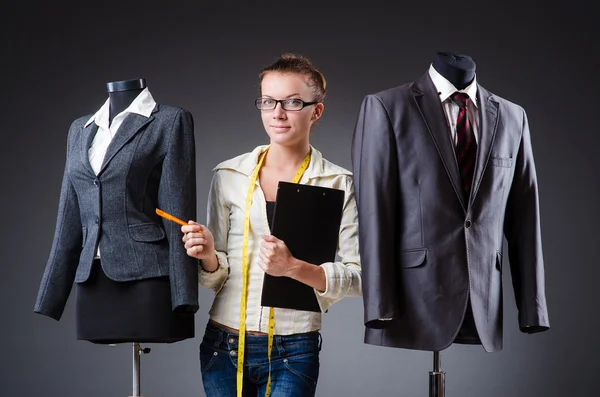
(208, 356)
(305, 367)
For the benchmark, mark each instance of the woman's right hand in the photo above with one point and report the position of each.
(198, 241)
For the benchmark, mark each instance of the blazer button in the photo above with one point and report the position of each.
(468, 224)
(232, 353)
(95, 182)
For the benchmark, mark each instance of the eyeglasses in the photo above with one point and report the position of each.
(286, 104)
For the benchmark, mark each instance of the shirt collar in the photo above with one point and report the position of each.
(143, 105)
(446, 88)
(245, 163)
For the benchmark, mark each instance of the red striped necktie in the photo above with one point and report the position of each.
(466, 145)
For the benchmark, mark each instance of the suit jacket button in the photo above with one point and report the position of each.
(232, 353)
(468, 224)
(95, 182)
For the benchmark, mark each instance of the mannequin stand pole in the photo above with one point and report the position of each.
(137, 353)
(437, 378)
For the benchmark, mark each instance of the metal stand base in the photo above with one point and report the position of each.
(137, 353)
(437, 378)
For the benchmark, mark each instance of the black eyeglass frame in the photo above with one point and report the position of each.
(282, 102)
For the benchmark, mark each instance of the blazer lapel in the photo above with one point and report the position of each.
(432, 112)
(87, 137)
(488, 124)
(132, 124)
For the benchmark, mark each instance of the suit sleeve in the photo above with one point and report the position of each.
(61, 267)
(177, 196)
(523, 234)
(375, 170)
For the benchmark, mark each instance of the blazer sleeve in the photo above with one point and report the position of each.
(374, 162)
(59, 274)
(177, 196)
(523, 235)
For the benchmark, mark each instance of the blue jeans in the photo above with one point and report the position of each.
(294, 364)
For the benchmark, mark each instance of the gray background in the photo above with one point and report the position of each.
(57, 57)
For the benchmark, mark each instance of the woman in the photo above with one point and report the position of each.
(291, 101)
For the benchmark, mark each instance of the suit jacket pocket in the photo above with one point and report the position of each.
(413, 257)
(502, 162)
(146, 232)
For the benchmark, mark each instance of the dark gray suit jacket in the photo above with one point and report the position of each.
(150, 163)
(425, 248)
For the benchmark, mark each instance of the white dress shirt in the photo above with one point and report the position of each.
(226, 205)
(143, 105)
(445, 89)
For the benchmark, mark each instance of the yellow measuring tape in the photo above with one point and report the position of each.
(245, 265)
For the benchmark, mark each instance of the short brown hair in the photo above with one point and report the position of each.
(292, 63)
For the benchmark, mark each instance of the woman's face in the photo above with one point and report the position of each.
(288, 127)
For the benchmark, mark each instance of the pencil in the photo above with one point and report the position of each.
(170, 217)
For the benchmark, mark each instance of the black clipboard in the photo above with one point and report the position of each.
(307, 218)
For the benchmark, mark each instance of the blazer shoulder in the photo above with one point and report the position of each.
(80, 122)
(77, 127)
(170, 111)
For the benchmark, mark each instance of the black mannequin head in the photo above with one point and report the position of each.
(457, 69)
(122, 93)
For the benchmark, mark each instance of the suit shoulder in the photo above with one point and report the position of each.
(395, 91)
(503, 101)
(391, 95)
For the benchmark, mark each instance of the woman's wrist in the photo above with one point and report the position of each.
(211, 264)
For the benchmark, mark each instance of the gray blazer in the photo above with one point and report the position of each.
(425, 248)
(150, 163)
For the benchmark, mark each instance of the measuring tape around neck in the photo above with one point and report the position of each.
(245, 265)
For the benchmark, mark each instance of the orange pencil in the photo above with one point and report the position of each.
(171, 218)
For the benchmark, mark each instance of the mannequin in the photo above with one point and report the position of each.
(457, 69)
(116, 303)
(144, 307)
(122, 93)
(432, 257)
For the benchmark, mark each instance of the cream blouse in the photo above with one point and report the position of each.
(226, 204)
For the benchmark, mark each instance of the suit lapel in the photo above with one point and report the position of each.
(488, 116)
(132, 124)
(432, 112)
(87, 137)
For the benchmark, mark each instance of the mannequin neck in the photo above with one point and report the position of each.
(457, 69)
(122, 94)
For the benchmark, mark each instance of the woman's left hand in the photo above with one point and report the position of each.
(275, 257)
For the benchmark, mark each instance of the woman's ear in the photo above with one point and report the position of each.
(319, 107)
